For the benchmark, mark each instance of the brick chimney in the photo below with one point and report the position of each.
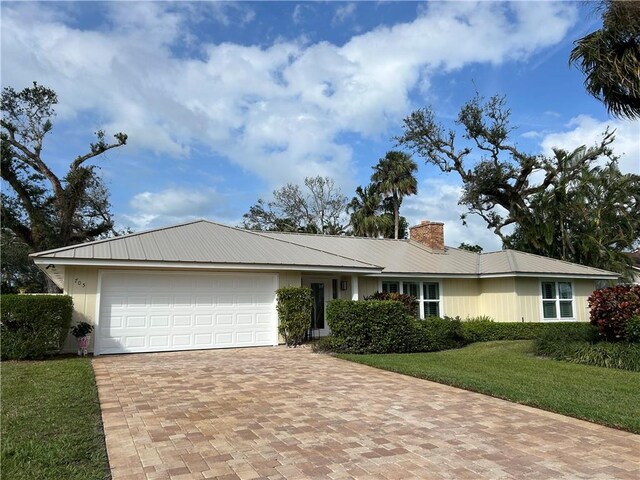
(430, 234)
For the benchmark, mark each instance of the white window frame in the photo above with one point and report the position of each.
(420, 299)
(557, 300)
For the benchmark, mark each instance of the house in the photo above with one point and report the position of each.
(635, 266)
(206, 285)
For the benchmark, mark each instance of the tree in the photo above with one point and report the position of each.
(394, 178)
(368, 218)
(501, 188)
(316, 210)
(18, 271)
(610, 58)
(470, 248)
(42, 209)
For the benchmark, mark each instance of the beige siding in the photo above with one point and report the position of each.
(461, 297)
(498, 299)
(528, 298)
(581, 291)
(81, 283)
(367, 286)
(289, 279)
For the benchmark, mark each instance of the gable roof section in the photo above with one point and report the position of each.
(201, 242)
(402, 257)
(515, 262)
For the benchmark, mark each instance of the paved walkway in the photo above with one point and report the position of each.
(281, 413)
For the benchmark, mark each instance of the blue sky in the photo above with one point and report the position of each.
(223, 102)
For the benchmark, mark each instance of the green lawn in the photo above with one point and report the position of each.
(51, 423)
(509, 370)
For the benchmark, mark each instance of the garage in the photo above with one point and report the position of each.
(165, 311)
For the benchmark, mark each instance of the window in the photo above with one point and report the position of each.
(390, 287)
(411, 288)
(557, 301)
(431, 296)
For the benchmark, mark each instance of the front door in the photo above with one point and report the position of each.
(320, 293)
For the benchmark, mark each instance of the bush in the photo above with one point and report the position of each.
(434, 334)
(410, 303)
(621, 355)
(487, 331)
(294, 306)
(612, 307)
(33, 326)
(632, 330)
(373, 326)
(573, 345)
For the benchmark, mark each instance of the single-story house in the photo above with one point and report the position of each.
(205, 285)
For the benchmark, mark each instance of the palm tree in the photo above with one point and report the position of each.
(394, 177)
(367, 219)
(610, 58)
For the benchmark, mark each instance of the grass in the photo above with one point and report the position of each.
(51, 424)
(509, 370)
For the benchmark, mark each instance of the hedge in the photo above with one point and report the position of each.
(584, 347)
(373, 326)
(294, 305)
(487, 331)
(34, 326)
(434, 334)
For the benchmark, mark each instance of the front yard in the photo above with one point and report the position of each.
(51, 423)
(508, 369)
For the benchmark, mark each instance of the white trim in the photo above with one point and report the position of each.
(557, 300)
(200, 266)
(491, 275)
(420, 281)
(354, 287)
(96, 319)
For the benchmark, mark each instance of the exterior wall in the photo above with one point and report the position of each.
(498, 299)
(582, 289)
(518, 299)
(367, 286)
(289, 279)
(461, 297)
(81, 284)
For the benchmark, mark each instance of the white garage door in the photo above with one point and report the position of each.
(152, 312)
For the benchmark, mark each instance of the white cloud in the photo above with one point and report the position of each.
(276, 111)
(438, 201)
(343, 13)
(174, 205)
(585, 130)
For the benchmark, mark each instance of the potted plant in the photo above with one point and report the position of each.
(82, 332)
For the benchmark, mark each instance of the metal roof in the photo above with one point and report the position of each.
(204, 242)
(403, 257)
(513, 261)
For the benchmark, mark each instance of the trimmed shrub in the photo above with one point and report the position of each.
(434, 334)
(409, 302)
(612, 307)
(33, 326)
(373, 326)
(327, 345)
(487, 331)
(632, 330)
(294, 306)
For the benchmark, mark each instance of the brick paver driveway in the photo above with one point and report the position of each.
(284, 413)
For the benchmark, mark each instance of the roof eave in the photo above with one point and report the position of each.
(106, 263)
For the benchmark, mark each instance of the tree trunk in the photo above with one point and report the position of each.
(396, 217)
